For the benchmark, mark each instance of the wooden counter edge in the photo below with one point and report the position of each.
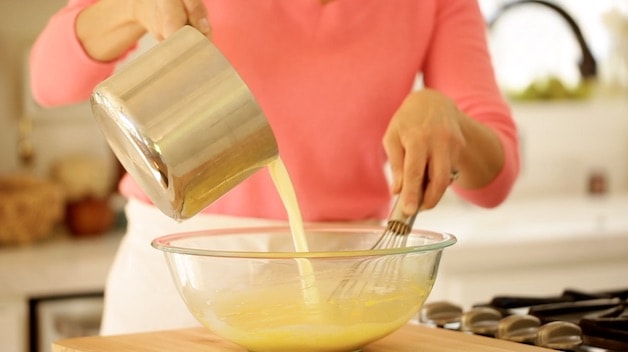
(410, 338)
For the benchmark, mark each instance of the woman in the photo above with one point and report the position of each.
(335, 79)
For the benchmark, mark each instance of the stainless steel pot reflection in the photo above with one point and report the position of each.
(183, 123)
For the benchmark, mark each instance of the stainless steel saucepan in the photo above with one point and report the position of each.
(183, 123)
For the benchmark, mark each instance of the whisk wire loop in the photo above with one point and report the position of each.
(380, 273)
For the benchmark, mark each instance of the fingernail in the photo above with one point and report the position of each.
(396, 186)
(203, 25)
(409, 209)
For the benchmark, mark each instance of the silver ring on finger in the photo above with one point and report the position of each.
(455, 174)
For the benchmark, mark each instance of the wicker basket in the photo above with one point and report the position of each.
(29, 209)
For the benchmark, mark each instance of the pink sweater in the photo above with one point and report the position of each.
(329, 78)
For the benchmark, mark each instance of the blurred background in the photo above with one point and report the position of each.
(565, 225)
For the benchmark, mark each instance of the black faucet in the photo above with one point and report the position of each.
(587, 64)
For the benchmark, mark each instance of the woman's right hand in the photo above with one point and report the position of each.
(163, 17)
(107, 29)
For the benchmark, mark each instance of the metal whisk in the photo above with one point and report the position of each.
(399, 225)
(397, 229)
(382, 273)
(378, 273)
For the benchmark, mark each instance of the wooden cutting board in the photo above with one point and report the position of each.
(410, 338)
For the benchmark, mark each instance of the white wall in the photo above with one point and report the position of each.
(20, 21)
(530, 41)
(56, 134)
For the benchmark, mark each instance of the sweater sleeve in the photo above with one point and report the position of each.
(61, 72)
(459, 65)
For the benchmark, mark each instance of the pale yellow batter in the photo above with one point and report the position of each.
(277, 320)
(301, 312)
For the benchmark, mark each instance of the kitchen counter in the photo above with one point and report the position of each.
(410, 338)
(536, 231)
(530, 220)
(525, 247)
(534, 247)
(59, 265)
(64, 263)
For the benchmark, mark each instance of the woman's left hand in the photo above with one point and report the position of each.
(424, 139)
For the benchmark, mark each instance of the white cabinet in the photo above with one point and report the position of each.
(59, 267)
(13, 324)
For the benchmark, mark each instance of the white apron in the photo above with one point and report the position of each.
(140, 294)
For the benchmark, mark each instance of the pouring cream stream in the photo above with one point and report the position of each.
(282, 181)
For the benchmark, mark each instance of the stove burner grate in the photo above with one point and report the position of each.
(572, 321)
(602, 316)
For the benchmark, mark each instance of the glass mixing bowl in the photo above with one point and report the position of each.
(249, 286)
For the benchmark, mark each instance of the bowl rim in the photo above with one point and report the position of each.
(163, 243)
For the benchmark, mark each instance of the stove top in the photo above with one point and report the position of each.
(571, 321)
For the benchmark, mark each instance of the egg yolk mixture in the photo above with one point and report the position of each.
(304, 315)
(276, 320)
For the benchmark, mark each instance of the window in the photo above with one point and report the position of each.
(531, 41)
